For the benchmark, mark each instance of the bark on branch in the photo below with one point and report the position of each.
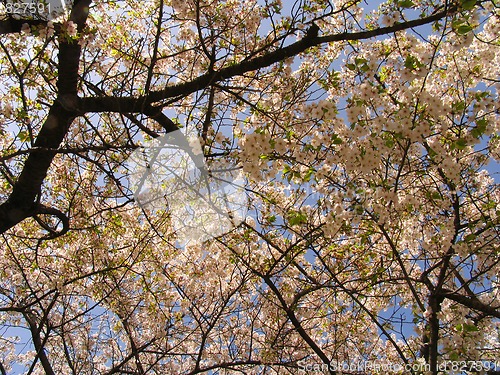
(472, 303)
(22, 202)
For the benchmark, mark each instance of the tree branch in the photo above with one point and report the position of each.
(472, 303)
(137, 104)
(12, 25)
(22, 202)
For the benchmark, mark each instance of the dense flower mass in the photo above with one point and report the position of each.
(368, 134)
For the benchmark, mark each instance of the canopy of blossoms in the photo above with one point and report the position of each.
(335, 207)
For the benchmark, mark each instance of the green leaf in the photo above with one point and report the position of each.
(23, 136)
(411, 62)
(398, 135)
(468, 4)
(336, 140)
(384, 72)
(288, 173)
(308, 175)
(460, 144)
(436, 196)
(481, 95)
(470, 237)
(479, 129)
(481, 124)
(360, 61)
(463, 29)
(436, 26)
(466, 328)
(458, 106)
(455, 24)
(296, 218)
(406, 4)
(364, 68)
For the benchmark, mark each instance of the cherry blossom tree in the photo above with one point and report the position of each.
(364, 130)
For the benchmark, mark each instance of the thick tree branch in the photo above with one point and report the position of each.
(472, 303)
(137, 104)
(268, 59)
(22, 202)
(11, 25)
(39, 344)
(63, 218)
